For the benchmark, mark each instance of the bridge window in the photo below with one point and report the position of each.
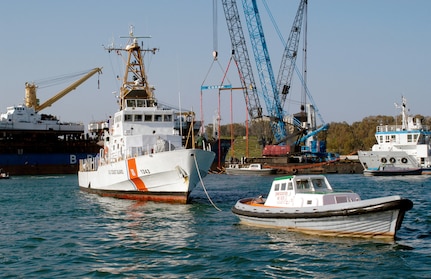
(128, 117)
(131, 103)
(148, 118)
(283, 186)
(138, 118)
(409, 138)
(277, 187)
(158, 118)
(167, 118)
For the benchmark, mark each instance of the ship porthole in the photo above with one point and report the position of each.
(404, 160)
(383, 160)
(392, 160)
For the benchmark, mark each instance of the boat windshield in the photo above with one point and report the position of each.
(315, 184)
(303, 185)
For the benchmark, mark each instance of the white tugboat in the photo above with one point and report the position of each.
(308, 204)
(400, 149)
(143, 156)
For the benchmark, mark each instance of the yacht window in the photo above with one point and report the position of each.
(148, 118)
(381, 139)
(277, 187)
(128, 117)
(138, 118)
(283, 186)
(168, 118)
(140, 103)
(393, 138)
(158, 118)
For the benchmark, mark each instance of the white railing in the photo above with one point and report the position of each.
(92, 164)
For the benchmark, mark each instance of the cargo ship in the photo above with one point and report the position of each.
(34, 143)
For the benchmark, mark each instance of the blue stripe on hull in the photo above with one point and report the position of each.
(42, 159)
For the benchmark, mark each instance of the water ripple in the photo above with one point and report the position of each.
(52, 230)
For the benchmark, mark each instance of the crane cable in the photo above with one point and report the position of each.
(52, 81)
(215, 55)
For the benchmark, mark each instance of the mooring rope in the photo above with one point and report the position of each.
(203, 185)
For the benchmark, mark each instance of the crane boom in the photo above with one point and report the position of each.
(240, 52)
(288, 59)
(63, 92)
(264, 68)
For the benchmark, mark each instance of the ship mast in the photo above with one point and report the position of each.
(135, 84)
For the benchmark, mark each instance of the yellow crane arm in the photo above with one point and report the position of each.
(71, 87)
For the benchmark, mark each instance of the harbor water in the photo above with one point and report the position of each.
(50, 229)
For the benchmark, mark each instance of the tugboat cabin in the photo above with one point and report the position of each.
(310, 190)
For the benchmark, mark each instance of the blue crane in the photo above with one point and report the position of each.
(264, 69)
(274, 93)
(270, 89)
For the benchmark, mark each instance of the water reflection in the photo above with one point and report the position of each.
(142, 234)
(327, 257)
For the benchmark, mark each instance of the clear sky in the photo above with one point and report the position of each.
(363, 55)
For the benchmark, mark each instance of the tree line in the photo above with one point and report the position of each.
(341, 137)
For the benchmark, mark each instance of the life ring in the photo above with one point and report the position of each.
(383, 160)
(392, 160)
(404, 160)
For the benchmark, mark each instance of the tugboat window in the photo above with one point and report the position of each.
(290, 186)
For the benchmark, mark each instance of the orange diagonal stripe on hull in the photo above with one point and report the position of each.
(134, 176)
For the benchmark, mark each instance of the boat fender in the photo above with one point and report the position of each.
(392, 160)
(404, 160)
(383, 160)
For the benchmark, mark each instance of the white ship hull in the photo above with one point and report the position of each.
(165, 177)
(399, 159)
